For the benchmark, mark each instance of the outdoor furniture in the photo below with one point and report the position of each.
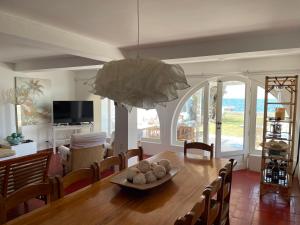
(185, 133)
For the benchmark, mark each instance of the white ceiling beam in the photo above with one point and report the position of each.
(193, 50)
(57, 62)
(57, 39)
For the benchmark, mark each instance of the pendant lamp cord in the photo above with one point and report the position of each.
(138, 28)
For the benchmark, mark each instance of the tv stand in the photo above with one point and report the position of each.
(74, 128)
(73, 124)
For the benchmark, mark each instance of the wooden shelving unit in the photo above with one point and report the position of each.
(277, 163)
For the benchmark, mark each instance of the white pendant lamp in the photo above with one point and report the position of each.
(140, 82)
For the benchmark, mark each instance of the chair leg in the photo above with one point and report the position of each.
(26, 207)
(64, 170)
(227, 221)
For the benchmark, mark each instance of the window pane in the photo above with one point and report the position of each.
(107, 116)
(212, 112)
(148, 124)
(104, 115)
(190, 120)
(260, 101)
(233, 114)
(112, 116)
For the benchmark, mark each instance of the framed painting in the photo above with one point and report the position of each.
(35, 107)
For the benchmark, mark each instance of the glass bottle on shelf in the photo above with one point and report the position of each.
(269, 171)
(275, 172)
(282, 172)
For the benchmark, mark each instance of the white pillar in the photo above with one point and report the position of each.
(121, 129)
(132, 129)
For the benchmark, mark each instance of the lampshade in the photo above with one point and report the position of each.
(142, 83)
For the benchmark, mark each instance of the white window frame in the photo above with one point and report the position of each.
(151, 140)
(109, 116)
(204, 84)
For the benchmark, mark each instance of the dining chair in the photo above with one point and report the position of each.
(230, 167)
(79, 178)
(192, 217)
(226, 174)
(110, 163)
(212, 202)
(139, 152)
(24, 194)
(200, 146)
(19, 172)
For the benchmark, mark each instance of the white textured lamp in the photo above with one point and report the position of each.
(140, 82)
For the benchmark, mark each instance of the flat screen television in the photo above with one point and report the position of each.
(73, 112)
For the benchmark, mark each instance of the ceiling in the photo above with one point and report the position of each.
(15, 49)
(114, 22)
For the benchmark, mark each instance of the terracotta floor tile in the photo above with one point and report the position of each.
(237, 221)
(248, 208)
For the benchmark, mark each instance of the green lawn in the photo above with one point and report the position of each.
(232, 124)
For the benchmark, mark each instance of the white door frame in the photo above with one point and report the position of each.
(220, 81)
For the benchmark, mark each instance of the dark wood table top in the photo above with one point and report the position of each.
(106, 203)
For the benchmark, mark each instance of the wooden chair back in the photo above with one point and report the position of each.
(228, 168)
(139, 152)
(110, 162)
(84, 174)
(19, 172)
(192, 217)
(212, 206)
(200, 146)
(224, 195)
(22, 195)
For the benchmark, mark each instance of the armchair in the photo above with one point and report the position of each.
(85, 149)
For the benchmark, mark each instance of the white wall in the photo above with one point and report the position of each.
(62, 84)
(82, 92)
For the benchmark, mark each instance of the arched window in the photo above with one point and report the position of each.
(107, 116)
(148, 124)
(190, 119)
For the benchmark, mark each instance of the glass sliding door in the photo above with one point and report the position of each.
(233, 116)
(212, 112)
(216, 114)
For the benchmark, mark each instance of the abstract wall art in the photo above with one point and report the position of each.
(36, 107)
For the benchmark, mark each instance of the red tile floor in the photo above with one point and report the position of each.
(246, 208)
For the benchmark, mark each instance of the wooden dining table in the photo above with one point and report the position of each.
(105, 203)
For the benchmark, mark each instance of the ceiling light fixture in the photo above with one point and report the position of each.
(140, 82)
